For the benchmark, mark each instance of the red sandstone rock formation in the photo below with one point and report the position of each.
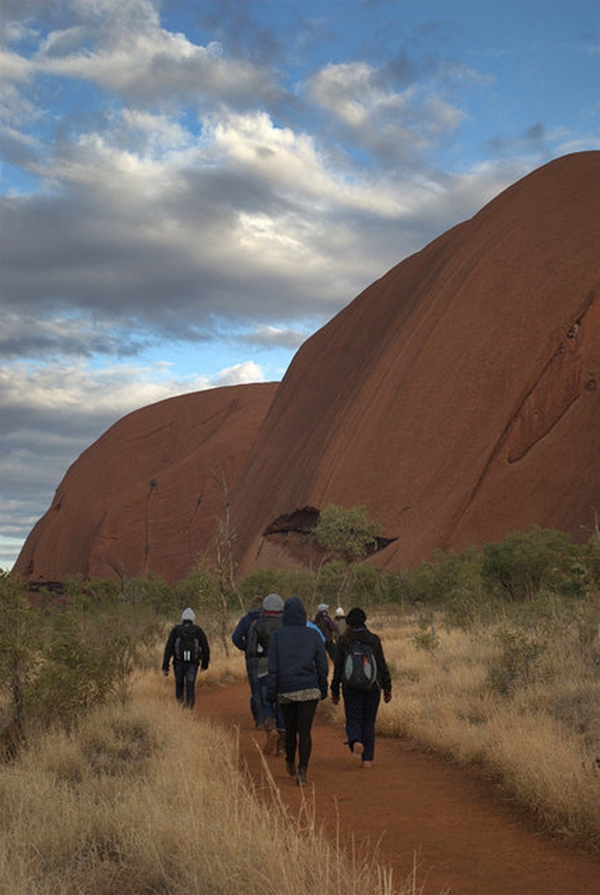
(146, 495)
(456, 399)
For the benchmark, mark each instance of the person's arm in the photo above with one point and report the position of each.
(337, 673)
(383, 673)
(169, 648)
(240, 634)
(204, 651)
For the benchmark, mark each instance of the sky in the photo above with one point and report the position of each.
(190, 189)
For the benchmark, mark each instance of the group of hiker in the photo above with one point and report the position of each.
(287, 663)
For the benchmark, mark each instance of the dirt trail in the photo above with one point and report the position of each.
(466, 840)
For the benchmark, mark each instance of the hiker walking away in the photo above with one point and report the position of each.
(297, 679)
(188, 646)
(325, 624)
(240, 640)
(361, 671)
(259, 638)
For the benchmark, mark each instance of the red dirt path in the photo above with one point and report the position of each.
(467, 841)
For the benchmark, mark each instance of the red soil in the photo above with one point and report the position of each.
(466, 839)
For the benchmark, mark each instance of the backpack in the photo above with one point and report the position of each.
(359, 671)
(187, 644)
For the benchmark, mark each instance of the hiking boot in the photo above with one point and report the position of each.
(270, 747)
(301, 776)
(290, 767)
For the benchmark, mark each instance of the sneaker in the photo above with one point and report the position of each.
(358, 749)
(301, 776)
(366, 764)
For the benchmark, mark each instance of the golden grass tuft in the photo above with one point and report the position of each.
(147, 798)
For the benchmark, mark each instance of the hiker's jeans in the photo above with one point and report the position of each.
(268, 712)
(361, 712)
(185, 683)
(252, 672)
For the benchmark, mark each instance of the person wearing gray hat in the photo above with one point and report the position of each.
(259, 637)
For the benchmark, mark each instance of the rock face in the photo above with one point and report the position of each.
(456, 399)
(149, 494)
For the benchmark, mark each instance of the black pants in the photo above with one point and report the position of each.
(298, 718)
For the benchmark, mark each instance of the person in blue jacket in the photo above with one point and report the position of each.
(240, 640)
(297, 679)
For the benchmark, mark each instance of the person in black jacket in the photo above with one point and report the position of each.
(240, 639)
(297, 679)
(188, 646)
(360, 706)
(259, 637)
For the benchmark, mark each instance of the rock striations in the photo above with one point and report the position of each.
(456, 399)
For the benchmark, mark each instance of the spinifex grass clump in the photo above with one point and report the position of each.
(150, 799)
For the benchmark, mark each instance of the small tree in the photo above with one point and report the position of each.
(348, 536)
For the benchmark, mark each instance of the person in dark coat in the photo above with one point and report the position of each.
(187, 645)
(297, 679)
(259, 637)
(325, 624)
(360, 706)
(240, 640)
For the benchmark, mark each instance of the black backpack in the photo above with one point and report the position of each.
(187, 644)
(359, 671)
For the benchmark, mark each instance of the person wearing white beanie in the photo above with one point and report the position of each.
(188, 646)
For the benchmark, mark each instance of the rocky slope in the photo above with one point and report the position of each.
(456, 399)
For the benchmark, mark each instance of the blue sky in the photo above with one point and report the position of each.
(190, 189)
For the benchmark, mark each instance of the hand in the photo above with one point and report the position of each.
(166, 672)
(335, 700)
(387, 695)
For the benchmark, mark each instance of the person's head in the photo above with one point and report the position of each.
(322, 608)
(273, 604)
(356, 618)
(294, 612)
(339, 613)
(257, 602)
(188, 615)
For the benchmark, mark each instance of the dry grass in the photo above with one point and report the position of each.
(540, 737)
(149, 799)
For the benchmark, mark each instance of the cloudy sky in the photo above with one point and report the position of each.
(189, 189)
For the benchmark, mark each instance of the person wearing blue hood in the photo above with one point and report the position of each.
(297, 679)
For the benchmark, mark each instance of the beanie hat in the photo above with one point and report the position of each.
(322, 607)
(356, 618)
(188, 615)
(339, 612)
(273, 603)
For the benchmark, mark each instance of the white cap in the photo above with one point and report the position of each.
(340, 612)
(188, 615)
(322, 607)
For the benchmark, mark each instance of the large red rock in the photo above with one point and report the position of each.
(456, 398)
(149, 494)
